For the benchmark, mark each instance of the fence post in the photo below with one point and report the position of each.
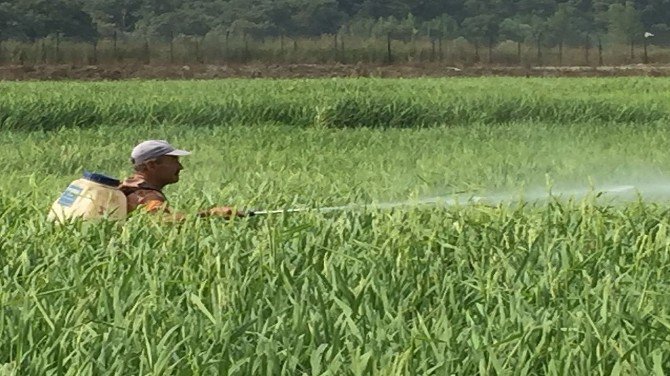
(539, 49)
(21, 56)
(58, 48)
(116, 52)
(281, 46)
(198, 58)
(587, 46)
(439, 48)
(171, 47)
(645, 58)
(490, 50)
(600, 52)
(226, 50)
(44, 52)
(146, 52)
(246, 47)
(389, 55)
(94, 59)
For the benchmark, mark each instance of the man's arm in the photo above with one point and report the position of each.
(154, 202)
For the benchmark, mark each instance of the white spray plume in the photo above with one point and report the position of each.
(656, 191)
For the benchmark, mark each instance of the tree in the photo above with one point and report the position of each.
(349, 7)
(430, 10)
(437, 29)
(316, 17)
(152, 8)
(391, 28)
(14, 24)
(481, 28)
(538, 8)
(517, 31)
(114, 15)
(384, 8)
(654, 12)
(564, 26)
(188, 22)
(361, 26)
(625, 24)
(538, 27)
(60, 17)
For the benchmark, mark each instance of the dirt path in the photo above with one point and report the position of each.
(121, 72)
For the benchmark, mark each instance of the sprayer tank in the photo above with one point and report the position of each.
(91, 197)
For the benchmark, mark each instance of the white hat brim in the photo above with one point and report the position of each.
(179, 153)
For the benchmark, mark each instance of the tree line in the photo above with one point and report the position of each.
(483, 23)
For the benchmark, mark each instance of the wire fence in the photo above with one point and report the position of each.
(218, 50)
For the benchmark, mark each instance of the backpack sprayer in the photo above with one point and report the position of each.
(90, 197)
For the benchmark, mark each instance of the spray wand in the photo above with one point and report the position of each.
(388, 205)
(440, 200)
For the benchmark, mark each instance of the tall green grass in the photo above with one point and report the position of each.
(568, 288)
(334, 102)
(574, 287)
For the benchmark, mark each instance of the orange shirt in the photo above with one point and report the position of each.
(140, 193)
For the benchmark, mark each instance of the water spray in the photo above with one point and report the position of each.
(458, 199)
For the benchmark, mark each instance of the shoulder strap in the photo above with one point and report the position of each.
(130, 190)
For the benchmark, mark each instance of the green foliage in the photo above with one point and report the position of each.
(443, 26)
(482, 27)
(566, 25)
(574, 285)
(515, 30)
(13, 23)
(624, 22)
(179, 22)
(464, 291)
(40, 18)
(333, 102)
(481, 22)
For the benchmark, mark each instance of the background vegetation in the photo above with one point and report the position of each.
(338, 103)
(578, 32)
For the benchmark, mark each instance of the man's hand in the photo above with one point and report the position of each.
(225, 212)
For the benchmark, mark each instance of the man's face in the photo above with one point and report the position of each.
(165, 169)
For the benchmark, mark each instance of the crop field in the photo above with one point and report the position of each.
(413, 277)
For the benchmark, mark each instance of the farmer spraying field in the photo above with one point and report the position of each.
(156, 164)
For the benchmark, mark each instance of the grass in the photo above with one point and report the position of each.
(334, 103)
(565, 287)
(481, 290)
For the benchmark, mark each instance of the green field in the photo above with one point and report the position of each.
(568, 285)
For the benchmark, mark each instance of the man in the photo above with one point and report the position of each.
(156, 165)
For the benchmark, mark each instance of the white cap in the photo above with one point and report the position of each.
(153, 149)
